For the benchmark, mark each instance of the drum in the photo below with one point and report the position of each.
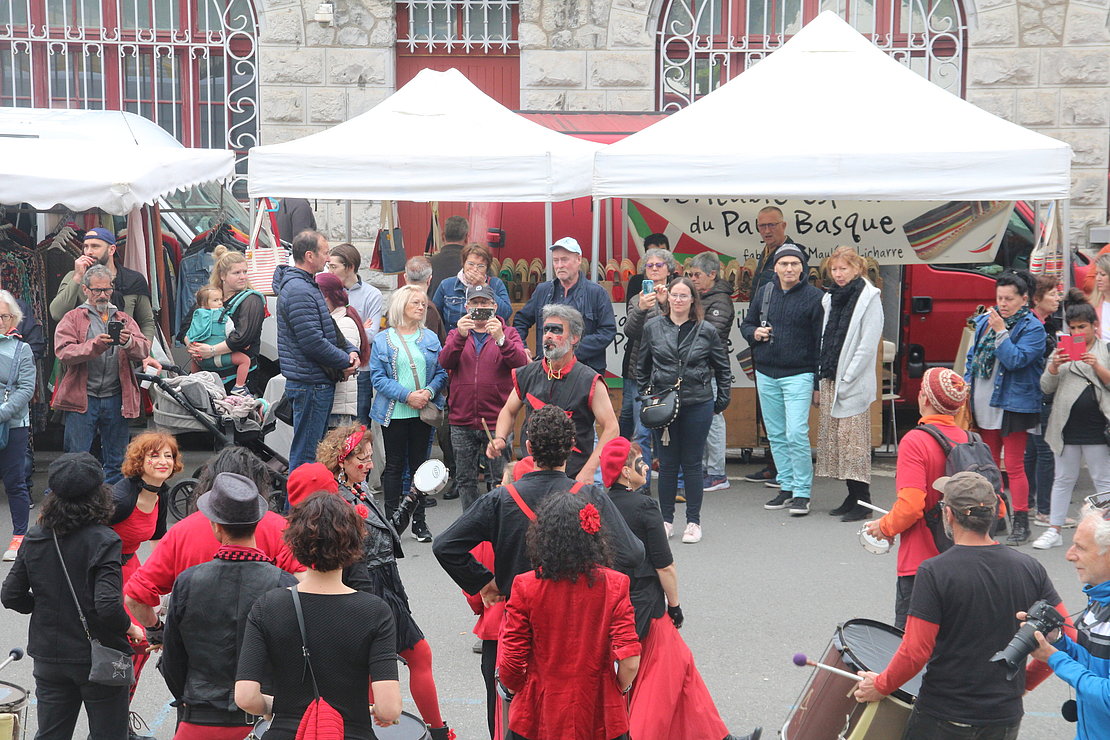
(431, 477)
(409, 727)
(13, 711)
(826, 709)
(873, 544)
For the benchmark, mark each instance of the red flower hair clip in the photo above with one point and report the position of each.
(589, 519)
(352, 442)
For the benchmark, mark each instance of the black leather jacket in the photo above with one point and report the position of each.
(382, 545)
(703, 354)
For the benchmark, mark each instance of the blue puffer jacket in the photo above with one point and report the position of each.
(1087, 668)
(388, 392)
(1020, 357)
(450, 299)
(305, 331)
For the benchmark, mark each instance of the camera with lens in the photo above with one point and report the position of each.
(1041, 617)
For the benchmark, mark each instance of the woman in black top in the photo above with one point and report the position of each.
(77, 512)
(679, 346)
(350, 633)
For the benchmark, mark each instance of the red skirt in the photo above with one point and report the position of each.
(670, 701)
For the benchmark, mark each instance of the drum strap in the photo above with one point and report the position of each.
(525, 508)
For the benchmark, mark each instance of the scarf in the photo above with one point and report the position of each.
(982, 362)
(844, 298)
(462, 279)
(240, 554)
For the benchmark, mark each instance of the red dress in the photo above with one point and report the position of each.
(558, 643)
(133, 532)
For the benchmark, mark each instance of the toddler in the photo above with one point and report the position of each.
(210, 325)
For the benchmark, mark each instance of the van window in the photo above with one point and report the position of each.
(1012, 254)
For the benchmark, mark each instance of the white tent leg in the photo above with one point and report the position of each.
(548, 238)
(1064, 224)
(624, 229)
(595, 237)
(608, 230)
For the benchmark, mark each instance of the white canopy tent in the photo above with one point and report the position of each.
(437, 138)
(111, 160)
(848, 122)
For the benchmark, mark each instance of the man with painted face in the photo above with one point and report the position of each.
(560, 378)
(130, 290)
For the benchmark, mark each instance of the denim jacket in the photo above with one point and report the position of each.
(450, 299)
(1020, 357)
(388, 391)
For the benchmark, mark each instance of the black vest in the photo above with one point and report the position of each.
(572, 393)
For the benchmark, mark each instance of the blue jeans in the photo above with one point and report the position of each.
(365, 397)
(685, 448)
(1040, 465)
(785, 403)
(312, 404)
(104, 415)
(13, 468)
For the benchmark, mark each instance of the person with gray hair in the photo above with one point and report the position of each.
(418, 272)
(1084, 663)
(96, 344)
(560, 378)
(704, 271)
(17, 373)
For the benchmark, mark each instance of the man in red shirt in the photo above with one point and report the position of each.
(920, 462)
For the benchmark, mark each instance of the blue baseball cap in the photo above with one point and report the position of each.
(101, 234)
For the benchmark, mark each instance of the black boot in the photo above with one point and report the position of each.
(859, 491)
(755, 735)
(420, 531)
(845, 506)
(1020, 531)
(442, 733)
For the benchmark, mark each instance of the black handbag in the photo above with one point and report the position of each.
(660, 408)
(335, 374)
(110, 667)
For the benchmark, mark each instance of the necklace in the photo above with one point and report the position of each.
(152, 489)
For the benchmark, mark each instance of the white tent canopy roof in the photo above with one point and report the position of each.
(437, 138)
(111, 160)
(830, 115)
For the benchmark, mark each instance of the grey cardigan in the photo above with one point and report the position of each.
(1068, 384)
(854, 389)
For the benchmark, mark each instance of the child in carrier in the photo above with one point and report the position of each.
(1079, 374)
(211, 325)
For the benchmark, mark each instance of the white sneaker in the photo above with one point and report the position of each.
(670, 529)
(1051, 538)
(692, 535)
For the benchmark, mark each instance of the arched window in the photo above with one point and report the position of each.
(188, 65)
(705, 43)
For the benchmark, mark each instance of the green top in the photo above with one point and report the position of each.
(404, 371)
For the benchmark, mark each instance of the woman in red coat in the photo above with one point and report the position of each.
(565, 624)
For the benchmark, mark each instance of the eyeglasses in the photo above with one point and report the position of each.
(100, 291)
(680, 297)
(772, 225)
(1100, 501)
(6, 317)
(654, 265)
(475, 265)
(694, 274)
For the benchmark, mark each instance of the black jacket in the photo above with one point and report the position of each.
(496, 518)
(446, 263)
(204, 628)
(124, 495)
(795, 319)
(703, 353)
(719, 309)
(37, 586)
(643, 517)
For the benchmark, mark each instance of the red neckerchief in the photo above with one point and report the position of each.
(559, 374)
(239, 554)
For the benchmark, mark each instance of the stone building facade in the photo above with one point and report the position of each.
(1044, 64)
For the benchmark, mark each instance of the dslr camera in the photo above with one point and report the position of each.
(1041, 617)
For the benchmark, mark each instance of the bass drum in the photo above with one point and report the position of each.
(826, 709)
(13, 711)
(409, 727)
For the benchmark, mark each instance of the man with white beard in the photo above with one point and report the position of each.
(559, 378)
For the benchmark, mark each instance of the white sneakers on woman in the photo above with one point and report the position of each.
(1051, 538)
(669, 528)
(692, 535)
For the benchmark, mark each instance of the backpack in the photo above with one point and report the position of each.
(972, 456)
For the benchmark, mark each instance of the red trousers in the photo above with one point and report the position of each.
(1013, 445)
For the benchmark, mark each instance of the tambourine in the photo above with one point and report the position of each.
(431, 477)
(873, 544)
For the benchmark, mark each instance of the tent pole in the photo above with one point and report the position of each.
(595, 237)
(548, 238)
(624, 229)
(608, 230)
(253, 205)
(1064, 224)
(348, 220)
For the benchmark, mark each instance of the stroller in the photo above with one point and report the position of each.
(198, 402)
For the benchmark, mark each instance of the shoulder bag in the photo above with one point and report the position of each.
(661, 407)
(431, 414)
(110, 667)
(744, 356)
(320, 721)
(4, 426)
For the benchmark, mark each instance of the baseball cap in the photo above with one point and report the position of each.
(480, 291)
(102, 234)
(966, 491)
(568, 243)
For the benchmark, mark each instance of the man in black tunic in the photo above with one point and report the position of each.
(559, 378)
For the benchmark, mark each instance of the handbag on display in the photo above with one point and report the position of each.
(263, 261)
(110, 667)
(389, 248)
(431, 414)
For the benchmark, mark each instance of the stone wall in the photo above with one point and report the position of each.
(1045, 64)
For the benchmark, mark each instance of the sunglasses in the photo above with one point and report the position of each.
(1100, 501)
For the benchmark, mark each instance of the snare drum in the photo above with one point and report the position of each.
(409, 727)
(13, 711)
(431, 477)
(826, 709)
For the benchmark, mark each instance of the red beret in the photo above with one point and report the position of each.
(306, 480)
(613, 456)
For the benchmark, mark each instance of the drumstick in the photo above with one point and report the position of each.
(871, 506)
(486, 427)
(13, 654)
(801, 661)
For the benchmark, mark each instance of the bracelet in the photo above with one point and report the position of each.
(502, 439)
(627, 688)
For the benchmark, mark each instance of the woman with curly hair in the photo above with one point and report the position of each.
(75, 516)
(347, 452)
(565, 624)
(350, 638)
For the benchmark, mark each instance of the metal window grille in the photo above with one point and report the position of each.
(705, 43)
(467, 26)
(188, 65)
